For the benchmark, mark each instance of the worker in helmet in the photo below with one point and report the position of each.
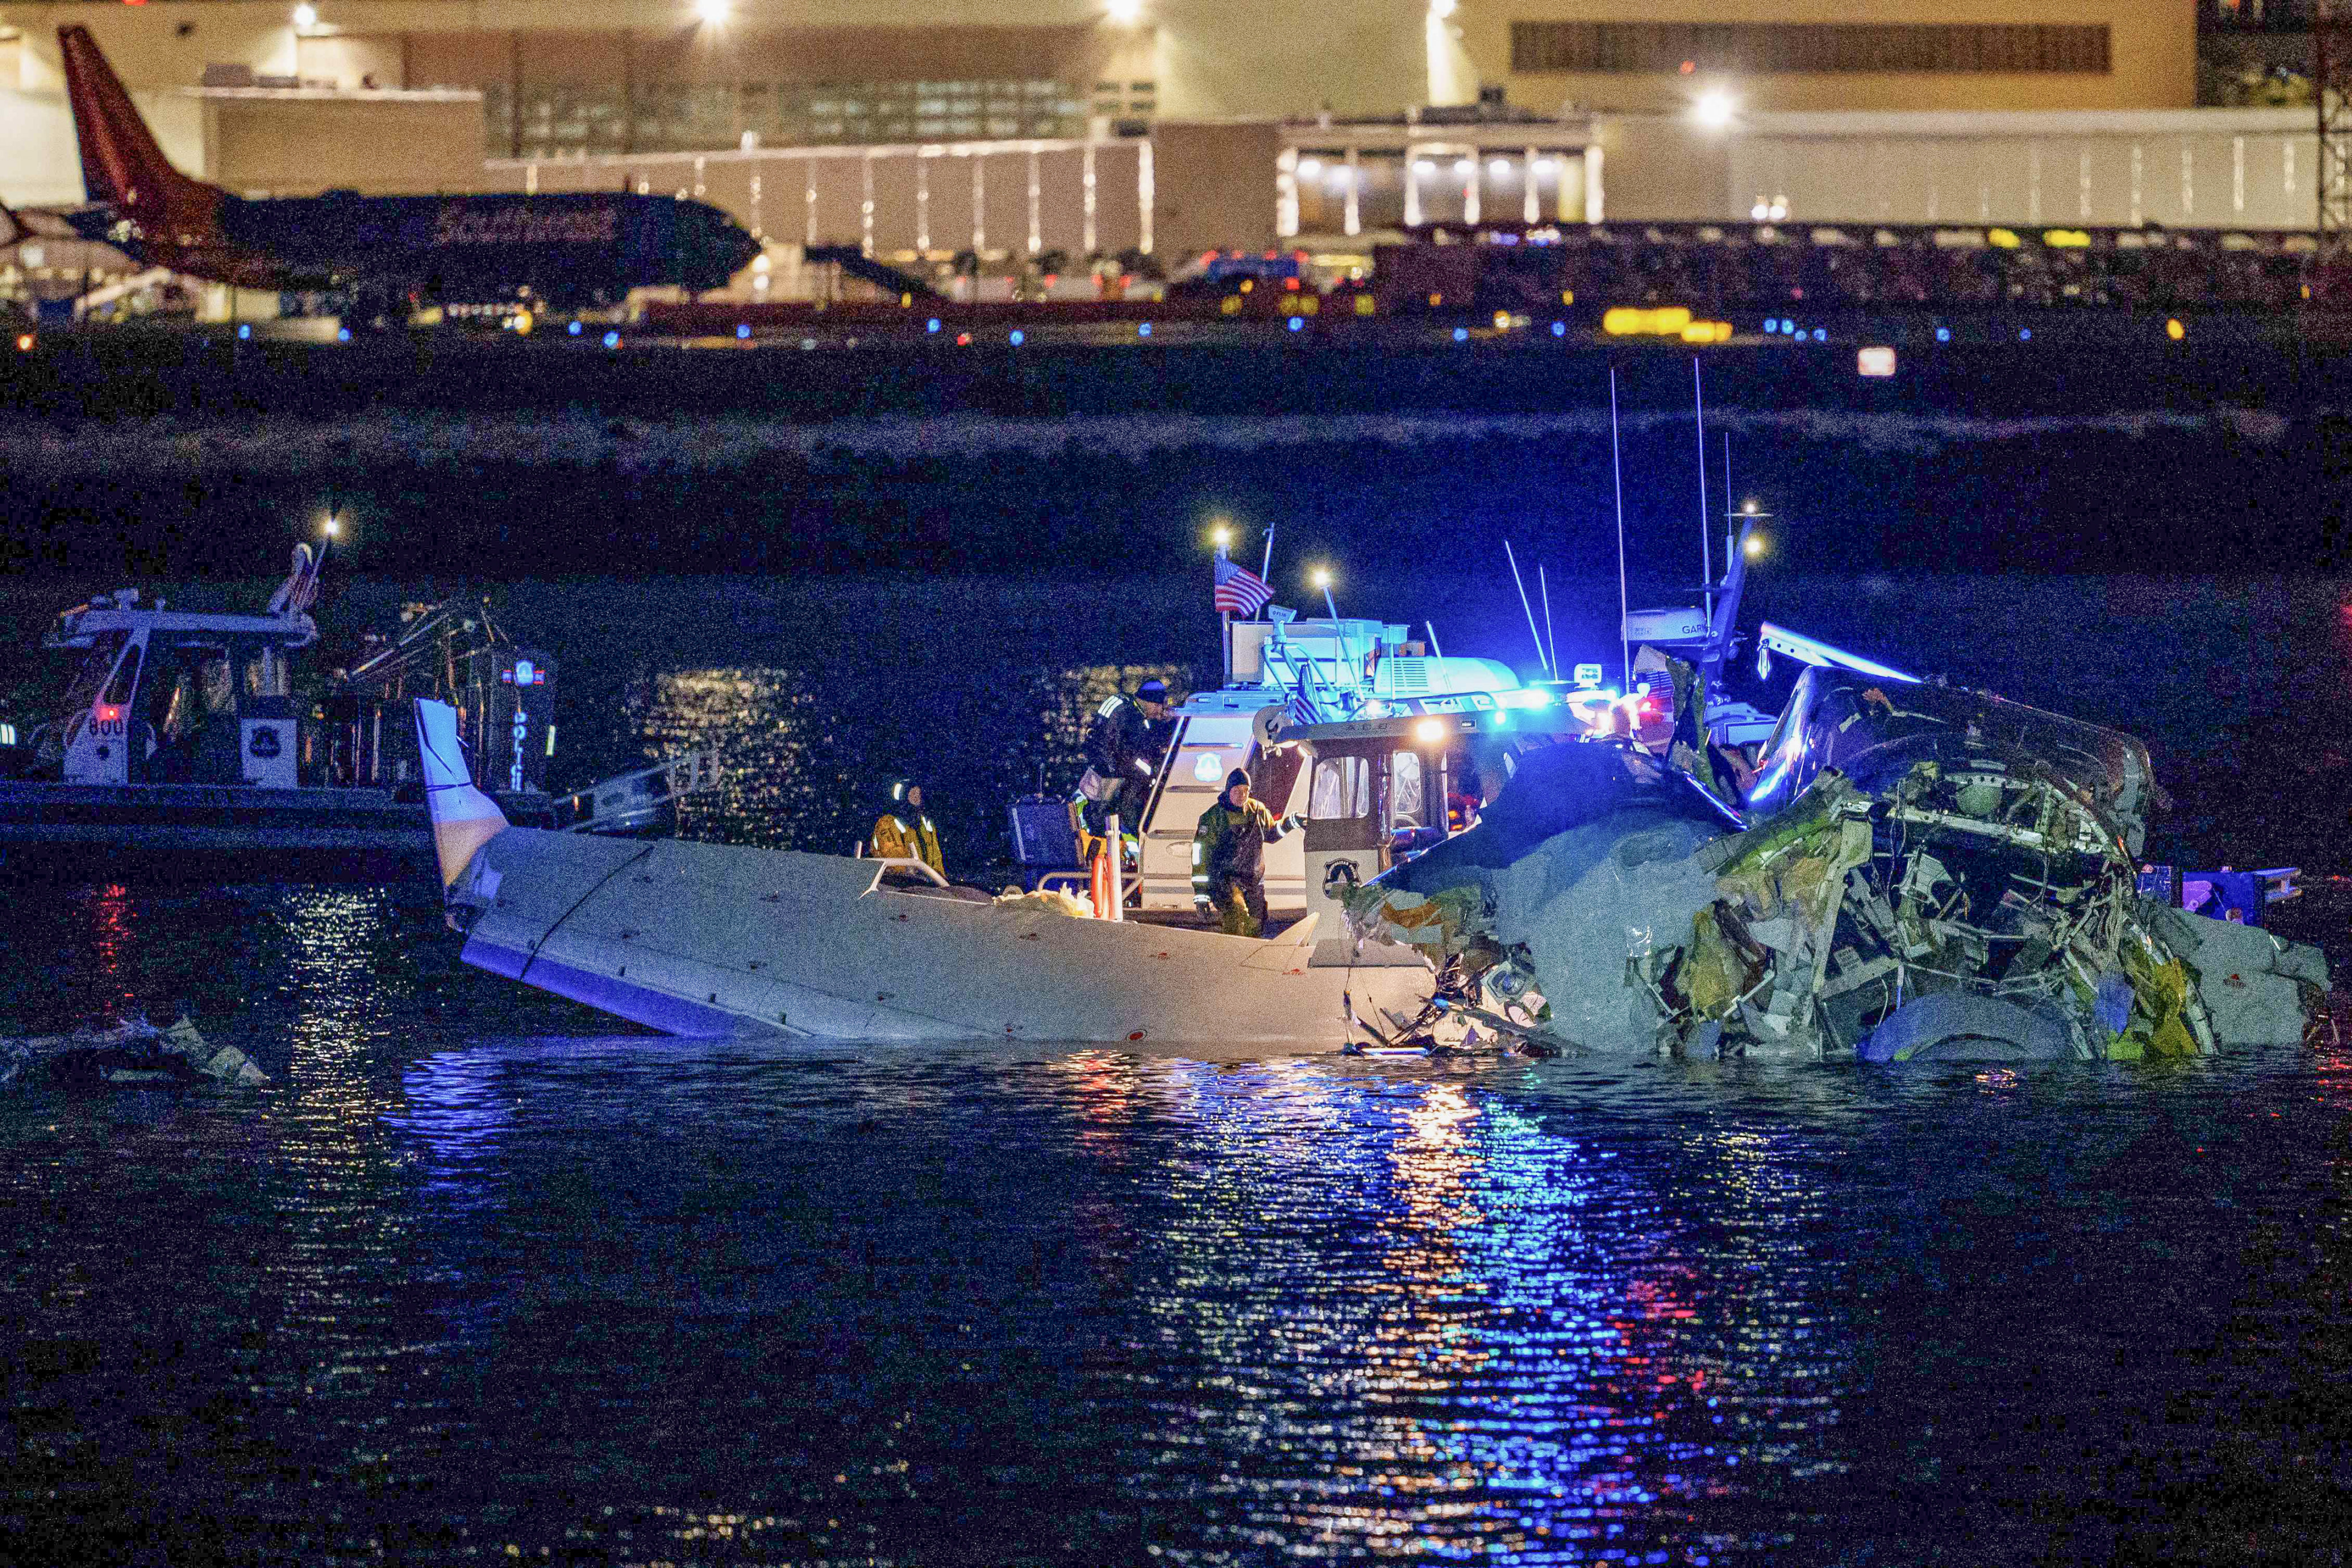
(1229, 858)
(1125, 742)
(903, 833)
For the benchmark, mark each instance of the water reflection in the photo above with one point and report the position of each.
(1462, 1323)
(810, 751)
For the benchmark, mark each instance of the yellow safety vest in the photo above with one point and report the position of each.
(896, 839)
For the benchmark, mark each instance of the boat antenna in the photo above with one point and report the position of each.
(1542, 658)
(1266, 564)
(1431, 626)
(1617, 477)
(1551, 656)
(1705, 524)
(1729, 505)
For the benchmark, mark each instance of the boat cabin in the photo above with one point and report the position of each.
(161, 696)
(1380, 748)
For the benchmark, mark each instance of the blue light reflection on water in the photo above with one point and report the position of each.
(765, 1301)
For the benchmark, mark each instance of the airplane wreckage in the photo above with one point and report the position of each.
(1924, 873)
(1895, 870)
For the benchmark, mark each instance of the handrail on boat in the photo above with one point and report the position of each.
(889, 863)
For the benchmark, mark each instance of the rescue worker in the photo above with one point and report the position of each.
(1229, 858)
(1125, 743)
(904, 833)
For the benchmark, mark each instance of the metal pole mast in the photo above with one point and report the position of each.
(2331, 91)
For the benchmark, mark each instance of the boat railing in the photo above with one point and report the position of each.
(889, 863)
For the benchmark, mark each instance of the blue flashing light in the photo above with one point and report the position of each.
(342, 334)
(611, 340)
(1461, 335)
(1016, 337)
(742, 330)
(1142, 329)
(1771, 323)
(1559, 328)
(1298, 323)
(1943, 335)
(243, 332)
(2024, 334)
(573, 329)
(1821, 334)
(933, 325)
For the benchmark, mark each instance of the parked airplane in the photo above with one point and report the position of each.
(568, 250)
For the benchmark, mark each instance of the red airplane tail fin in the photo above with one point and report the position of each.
(121, 163)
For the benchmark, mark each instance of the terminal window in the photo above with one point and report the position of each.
(1761, 48)
(556, 121)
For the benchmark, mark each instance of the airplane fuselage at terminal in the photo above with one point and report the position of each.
(578, 249)
(567, 249)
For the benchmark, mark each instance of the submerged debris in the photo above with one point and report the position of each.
(133, 1052)
(1931, 873)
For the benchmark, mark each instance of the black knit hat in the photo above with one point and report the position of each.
(1236, 777)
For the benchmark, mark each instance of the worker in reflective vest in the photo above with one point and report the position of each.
(1229, 858)
(904, 833)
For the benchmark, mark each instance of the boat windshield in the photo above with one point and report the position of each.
(90, 679)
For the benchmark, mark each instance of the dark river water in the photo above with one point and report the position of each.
(478, 1279)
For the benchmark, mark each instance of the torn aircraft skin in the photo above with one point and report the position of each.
(1927, 873)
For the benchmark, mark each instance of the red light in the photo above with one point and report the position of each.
(109, 715)
(963, 339)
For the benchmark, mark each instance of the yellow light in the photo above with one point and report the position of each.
(524, 323)
(334, 525)
(1222, 533)
(712, 11)
(24, 343)
(1430, 731)
(2174, 330)
(1749, 508)
(2066, 238)
(1626, 320)
(1706, 332)
(2001, 238)
(1320, 577)
(1755, 546)
(1714, 110)
(1502, 320)
(306, 14)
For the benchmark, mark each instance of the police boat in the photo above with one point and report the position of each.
(182, 751)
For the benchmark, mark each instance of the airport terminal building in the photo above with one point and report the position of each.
(1092, 127)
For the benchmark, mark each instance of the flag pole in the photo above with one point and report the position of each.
(1617, 478)
(1225, 617)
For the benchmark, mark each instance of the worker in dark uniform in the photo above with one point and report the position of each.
(1229, 858)
(903, 833)
(1128, 737)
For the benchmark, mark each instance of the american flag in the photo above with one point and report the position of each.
(1302, 709)
(1240, 590)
